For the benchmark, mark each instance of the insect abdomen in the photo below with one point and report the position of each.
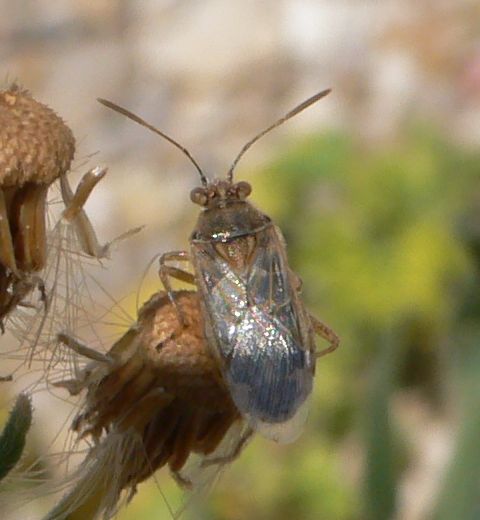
(269, 374)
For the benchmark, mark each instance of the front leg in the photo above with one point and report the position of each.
(166, 272)
(326, 333)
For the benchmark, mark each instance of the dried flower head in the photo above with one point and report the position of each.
(157, 398)
(36, 147)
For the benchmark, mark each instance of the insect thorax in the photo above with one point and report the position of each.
(233, 219)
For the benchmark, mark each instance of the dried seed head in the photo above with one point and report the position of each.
(35, 144)
(157, 353)
(156, 398)
(182, 360)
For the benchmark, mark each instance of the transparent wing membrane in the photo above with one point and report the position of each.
(256, 325)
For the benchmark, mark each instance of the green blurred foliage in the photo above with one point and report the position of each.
(13, 436)
(384, 239)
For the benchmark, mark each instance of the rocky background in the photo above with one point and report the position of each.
(376, 188)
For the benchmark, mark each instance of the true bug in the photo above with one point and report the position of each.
(254, 319)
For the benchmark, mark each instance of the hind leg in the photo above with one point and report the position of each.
(326, 333)
(234, 453)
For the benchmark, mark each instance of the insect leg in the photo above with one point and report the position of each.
(326, 333)
(167, 271)
(75, 213)
(182, 482)
(297, 282)
(230, 457)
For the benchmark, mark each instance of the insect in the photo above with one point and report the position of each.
(254, 319)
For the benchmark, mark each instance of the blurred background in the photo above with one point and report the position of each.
(376, 188)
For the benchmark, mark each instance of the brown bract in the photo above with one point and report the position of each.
(162, 383)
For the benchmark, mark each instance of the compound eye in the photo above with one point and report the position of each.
(198, 196)
(243, 190)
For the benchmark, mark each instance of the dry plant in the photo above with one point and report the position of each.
(170, 391)
(38, 246)
(156, 398)
(36, 147)
(46, 242)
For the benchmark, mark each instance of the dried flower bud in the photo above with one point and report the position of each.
(36, 147)
(156, 354)
(156, 398)
(35, 144)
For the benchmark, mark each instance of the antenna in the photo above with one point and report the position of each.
(286, 117)
(142, 122)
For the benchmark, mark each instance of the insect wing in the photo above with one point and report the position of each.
(259, 329)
